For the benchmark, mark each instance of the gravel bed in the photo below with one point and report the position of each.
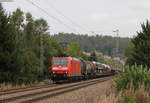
(92, 94)
(34, 91)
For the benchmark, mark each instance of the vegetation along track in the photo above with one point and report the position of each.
(58, 90)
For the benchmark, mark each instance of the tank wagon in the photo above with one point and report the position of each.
(71, 68)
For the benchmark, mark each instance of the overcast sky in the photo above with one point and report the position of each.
(100, 16)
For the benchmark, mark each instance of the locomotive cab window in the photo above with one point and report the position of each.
(60, 62)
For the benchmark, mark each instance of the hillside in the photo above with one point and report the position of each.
(103, 44)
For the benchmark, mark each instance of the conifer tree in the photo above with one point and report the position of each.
(7, 46)
(140, 52)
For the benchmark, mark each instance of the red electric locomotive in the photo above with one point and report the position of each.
(64, 68)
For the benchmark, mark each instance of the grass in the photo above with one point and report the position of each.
(138, 96)
(127, 96)
(132, 86)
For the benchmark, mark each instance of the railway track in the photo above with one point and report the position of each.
(20, 88)
(25, 89)
(48, 91)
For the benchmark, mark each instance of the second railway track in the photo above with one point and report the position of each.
(5, 92)
(51, 91)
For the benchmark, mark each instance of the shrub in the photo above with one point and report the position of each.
(133, 78)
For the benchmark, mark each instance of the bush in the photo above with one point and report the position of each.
(133, 78)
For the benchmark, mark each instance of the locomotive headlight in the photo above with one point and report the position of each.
(54, 68)
(64, 68)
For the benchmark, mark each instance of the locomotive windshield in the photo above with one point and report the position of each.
(60, 62)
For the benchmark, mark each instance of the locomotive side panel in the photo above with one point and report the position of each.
(75, 68)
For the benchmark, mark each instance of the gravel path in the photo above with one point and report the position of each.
(92, 94)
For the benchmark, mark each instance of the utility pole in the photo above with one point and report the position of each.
(41, 50)
(117, 47)
(117, 42)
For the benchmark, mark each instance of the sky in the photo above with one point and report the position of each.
(91, 17)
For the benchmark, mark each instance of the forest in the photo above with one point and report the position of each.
(103, 44)
(20, 48)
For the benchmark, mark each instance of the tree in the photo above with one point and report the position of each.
(128, 53)
(98, 42)
(20, 42)
(51, 49)
(140, 50)
(93, 57)
(73, 49)
(7, 47)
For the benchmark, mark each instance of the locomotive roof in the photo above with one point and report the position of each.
(71, 58)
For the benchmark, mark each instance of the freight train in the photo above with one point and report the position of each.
(71, 68)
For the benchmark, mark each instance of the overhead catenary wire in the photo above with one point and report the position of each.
(51, 16)
(78, 25)
(60, 21)
(67, 18)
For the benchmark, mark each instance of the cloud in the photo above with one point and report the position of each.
(141, 5)
(97, 17)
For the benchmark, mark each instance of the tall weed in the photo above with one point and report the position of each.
(133, 78)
